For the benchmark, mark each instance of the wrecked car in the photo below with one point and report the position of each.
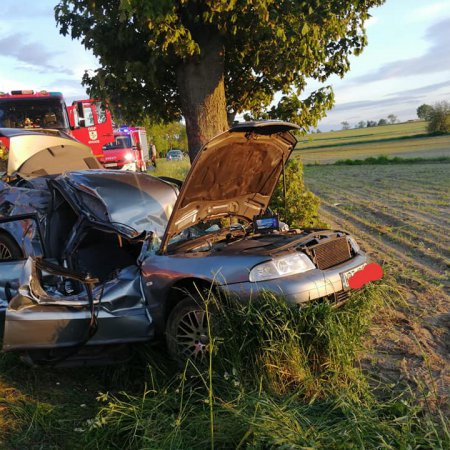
(94, 260)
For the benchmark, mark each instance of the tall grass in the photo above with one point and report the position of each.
(171, 168)
(278, 377)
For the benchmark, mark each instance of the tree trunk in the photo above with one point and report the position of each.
(202, 91)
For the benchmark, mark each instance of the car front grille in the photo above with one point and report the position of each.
(331, 253)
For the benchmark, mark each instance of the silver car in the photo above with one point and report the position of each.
(175, 155)
(94, 260)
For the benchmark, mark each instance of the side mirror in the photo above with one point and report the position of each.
(81, 122)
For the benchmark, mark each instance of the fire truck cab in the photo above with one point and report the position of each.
(129, 151)
(85, 120)
(91, 124)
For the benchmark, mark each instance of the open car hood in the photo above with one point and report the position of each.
(35, 154)
(233, 174)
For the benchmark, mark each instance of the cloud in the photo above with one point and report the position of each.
(31, 55)
(375, 104)
(424, 90)
(32, 10)
(427, 12)
(72, 88)
(436, 59)
(371, 22)
(397, 100)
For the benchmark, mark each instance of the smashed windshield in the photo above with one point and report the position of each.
(33, 113)
(210, 227)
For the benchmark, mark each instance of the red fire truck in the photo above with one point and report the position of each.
(85, 120)
(129, 151)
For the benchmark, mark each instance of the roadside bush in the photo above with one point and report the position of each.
(302, 206)
(440, 118)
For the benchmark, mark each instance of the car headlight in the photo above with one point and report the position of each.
(281, 267)
(129, 156)
(356, 248)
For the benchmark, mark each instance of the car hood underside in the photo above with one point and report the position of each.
(234, 174)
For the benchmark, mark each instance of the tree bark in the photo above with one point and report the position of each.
(202, 90)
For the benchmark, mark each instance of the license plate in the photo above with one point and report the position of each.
(111, 165)
(345, 276)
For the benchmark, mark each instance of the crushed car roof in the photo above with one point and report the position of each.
(129, 202)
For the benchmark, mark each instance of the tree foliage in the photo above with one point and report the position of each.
(155, 56)
(166, 136)
(302, 206)
(345, 125)
(424, 112)
(440, 118)
(392, 118)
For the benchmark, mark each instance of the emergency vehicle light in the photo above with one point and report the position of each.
(56, 93)
(28, 92)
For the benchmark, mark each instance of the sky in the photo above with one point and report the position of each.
(406, 62)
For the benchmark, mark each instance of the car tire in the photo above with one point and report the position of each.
(187, 331)
(8, 248)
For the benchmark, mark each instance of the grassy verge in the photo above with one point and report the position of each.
(278, 377)
(169, 168)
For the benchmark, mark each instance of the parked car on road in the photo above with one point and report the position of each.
(175, 155)
(94, 260)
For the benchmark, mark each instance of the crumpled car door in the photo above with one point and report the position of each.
(11, 272)
(57, 308)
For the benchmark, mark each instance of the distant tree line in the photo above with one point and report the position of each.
(391, 119)
(437, 116)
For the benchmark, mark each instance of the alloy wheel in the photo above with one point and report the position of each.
(5, 252)
(192, 334)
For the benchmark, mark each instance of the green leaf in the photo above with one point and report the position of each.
(305, 29)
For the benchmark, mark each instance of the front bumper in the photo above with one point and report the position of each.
(300, 288)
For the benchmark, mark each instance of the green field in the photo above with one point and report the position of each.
(407, 140)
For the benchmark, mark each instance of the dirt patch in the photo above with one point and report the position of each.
(403, 227)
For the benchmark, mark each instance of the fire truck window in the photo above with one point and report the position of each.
(50, 120)
(88, 117)
(101, 113)
(119, 142)
(33, 113)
